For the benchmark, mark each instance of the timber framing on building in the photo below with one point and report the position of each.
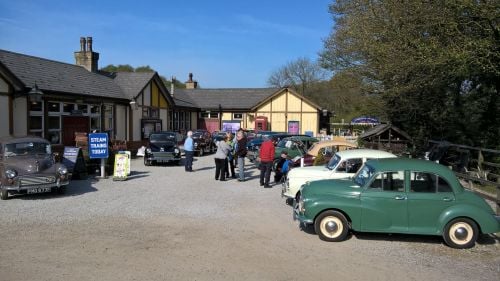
(130, 105)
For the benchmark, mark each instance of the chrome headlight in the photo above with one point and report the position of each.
(195, 144)
(302, 208)
(10, 174)
(62, 170)
(177, 151)
(148, 150)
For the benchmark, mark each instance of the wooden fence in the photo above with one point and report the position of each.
(476, 165)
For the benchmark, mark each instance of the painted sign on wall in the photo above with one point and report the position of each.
(293, 127)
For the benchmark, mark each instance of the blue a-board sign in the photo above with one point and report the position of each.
(98, 145)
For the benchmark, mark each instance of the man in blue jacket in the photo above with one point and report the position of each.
(189, 152)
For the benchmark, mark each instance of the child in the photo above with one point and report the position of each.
(282, 167)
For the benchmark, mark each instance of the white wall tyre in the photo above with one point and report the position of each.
(461, 233)
(331, 226)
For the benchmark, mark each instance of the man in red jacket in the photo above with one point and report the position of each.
(266, 161)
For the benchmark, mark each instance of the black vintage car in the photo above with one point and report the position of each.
(27, 166)
(163, 147)
(203, 142)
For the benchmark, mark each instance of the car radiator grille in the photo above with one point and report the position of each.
(35, 180)
(163, 154)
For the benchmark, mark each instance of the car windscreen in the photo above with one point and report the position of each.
(363, 175)
(333, 162)
(162, 137)
(26, 148)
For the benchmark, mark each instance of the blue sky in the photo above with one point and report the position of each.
(225, 44)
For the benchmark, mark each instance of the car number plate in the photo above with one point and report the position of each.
(38, 190)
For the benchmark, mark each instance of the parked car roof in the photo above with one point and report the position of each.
(11, 139)
(364, 152)
(411, 164)
(316, 147)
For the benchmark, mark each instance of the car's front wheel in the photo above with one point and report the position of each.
(331, 226)
(4, 194)
(61, 190)
(461, 233)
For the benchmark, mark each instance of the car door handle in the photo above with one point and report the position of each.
(447, 199)
(400, 197)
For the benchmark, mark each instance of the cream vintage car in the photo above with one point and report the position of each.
(343, 164)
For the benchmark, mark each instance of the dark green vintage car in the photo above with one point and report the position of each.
(295, 146)
(397, 196)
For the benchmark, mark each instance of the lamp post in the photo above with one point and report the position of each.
(34, 94)
(133, 104)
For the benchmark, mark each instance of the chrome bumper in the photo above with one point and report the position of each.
(18, 186)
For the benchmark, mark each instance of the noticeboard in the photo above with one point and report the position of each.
(74, 162)
(121, 167)
(70, 157)
(98, 145)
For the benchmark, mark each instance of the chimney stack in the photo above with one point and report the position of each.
(191, 84)
(83, 43)
(89, 44)
(86, 57)
(172, 86)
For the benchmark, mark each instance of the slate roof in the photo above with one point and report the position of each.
(59, 77)
(181, 98)
(132, 83)
(236, 99)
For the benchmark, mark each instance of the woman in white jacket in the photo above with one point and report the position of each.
(220, 158)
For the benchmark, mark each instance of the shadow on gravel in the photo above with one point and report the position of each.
(427, 239)
(204, 168)
(488, 239)
(137, 175)
(75, 188)
(484, 239)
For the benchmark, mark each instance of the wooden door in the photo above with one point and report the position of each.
(72, 125)
(209, 124)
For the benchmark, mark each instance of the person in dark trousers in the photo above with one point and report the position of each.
(241, 153)
(266, 161)
(189, 152)
(220, 159)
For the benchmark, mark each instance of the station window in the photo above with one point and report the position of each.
(68, 107)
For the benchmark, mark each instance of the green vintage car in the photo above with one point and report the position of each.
(295, 146)
(397, 196)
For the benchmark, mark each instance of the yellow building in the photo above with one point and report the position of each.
(275, 109)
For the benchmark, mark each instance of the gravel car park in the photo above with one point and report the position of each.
(165, 224)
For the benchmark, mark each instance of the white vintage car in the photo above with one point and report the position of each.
(343, 164)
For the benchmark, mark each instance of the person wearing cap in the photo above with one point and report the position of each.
(266, 161)
(279, 173)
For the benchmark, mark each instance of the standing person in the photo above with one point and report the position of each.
(266, 161)
(189, 152)
(241, 153)
(220, 159)
(281, 168)
(230, 156)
